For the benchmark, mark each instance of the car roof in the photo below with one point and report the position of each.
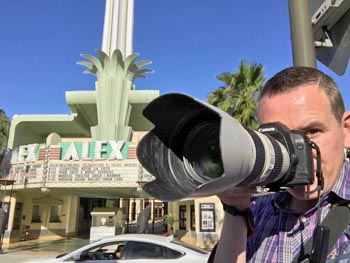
(157, 239)
(153, 238)
(162, 240)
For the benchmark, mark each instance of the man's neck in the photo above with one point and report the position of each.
(302, 205)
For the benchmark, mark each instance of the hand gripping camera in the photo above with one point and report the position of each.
(196, 149)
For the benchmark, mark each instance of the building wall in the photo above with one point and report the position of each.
(70, 216)
(22, 225)
(205, 231)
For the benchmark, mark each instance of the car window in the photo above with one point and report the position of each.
(143, 250)
(107, 251)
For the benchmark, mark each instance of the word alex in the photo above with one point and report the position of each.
(102, 150)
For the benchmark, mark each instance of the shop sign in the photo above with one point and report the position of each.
(207, 217)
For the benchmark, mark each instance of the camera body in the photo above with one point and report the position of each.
(299, 147)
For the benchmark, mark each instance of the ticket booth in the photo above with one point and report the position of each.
(106, 222)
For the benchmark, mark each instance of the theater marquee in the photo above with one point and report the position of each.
(100, 161)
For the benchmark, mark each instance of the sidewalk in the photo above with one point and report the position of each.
(24, 245)
(39, 248)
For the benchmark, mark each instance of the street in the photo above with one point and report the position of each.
(36, 249)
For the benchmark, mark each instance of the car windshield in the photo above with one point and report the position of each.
(195, 249)
(61, 255)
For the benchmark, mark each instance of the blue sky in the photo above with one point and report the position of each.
(188, 42)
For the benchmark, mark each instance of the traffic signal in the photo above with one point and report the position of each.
(331, 28)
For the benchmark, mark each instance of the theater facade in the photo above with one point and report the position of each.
(65, 165)
(59, 183)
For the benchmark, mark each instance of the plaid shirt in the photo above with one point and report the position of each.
(281, 232)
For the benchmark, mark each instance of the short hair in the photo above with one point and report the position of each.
(120, 248)
(293, 77)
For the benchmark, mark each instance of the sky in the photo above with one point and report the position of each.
(189, 42)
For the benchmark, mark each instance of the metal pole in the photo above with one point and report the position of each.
(3, 214)
(301, 33)
(152, 216)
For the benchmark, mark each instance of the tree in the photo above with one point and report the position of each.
(4, 130)
(238, 95)
(169, 220)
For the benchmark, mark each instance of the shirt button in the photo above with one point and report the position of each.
(302, 219)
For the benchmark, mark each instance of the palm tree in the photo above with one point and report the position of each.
(238, 95)
(4, 130)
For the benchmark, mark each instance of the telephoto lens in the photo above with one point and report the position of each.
(196, 149)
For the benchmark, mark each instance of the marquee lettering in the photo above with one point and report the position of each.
(71, 153)
(76, 151)
(116, 150)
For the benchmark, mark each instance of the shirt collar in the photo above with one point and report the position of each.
(342, 186)
(341, 189)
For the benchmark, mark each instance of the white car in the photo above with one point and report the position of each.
(133, 248)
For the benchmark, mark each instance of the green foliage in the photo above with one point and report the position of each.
(4, 130)
(238, 96)
(169, 219)
(116, 65)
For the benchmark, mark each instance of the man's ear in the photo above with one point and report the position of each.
(346, 127)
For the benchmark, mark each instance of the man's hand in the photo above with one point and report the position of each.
(239, 197)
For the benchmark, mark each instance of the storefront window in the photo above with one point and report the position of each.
(55, 212)
(193, 218)
(133, 211)
(182, 217)
(158, 211)
(36, 214)
(102, 220)
(18, 216)
(146, 203)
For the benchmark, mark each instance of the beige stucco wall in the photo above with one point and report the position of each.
(198, 238)
(68, 216)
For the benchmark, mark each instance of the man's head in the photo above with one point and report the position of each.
(119, 251)
(306, 99)
(290, 78)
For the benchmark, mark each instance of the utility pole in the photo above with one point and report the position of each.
(301, 33)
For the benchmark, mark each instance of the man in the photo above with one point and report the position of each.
(304, 99)
(119, 251)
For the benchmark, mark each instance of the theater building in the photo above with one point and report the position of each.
(58, 183)
(65, 165)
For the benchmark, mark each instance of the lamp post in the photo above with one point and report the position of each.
(4, 213)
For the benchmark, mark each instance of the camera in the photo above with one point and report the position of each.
(195, 150)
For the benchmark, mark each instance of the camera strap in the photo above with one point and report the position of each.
(326, 235)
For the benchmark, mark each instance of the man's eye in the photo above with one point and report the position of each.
(312, 133)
